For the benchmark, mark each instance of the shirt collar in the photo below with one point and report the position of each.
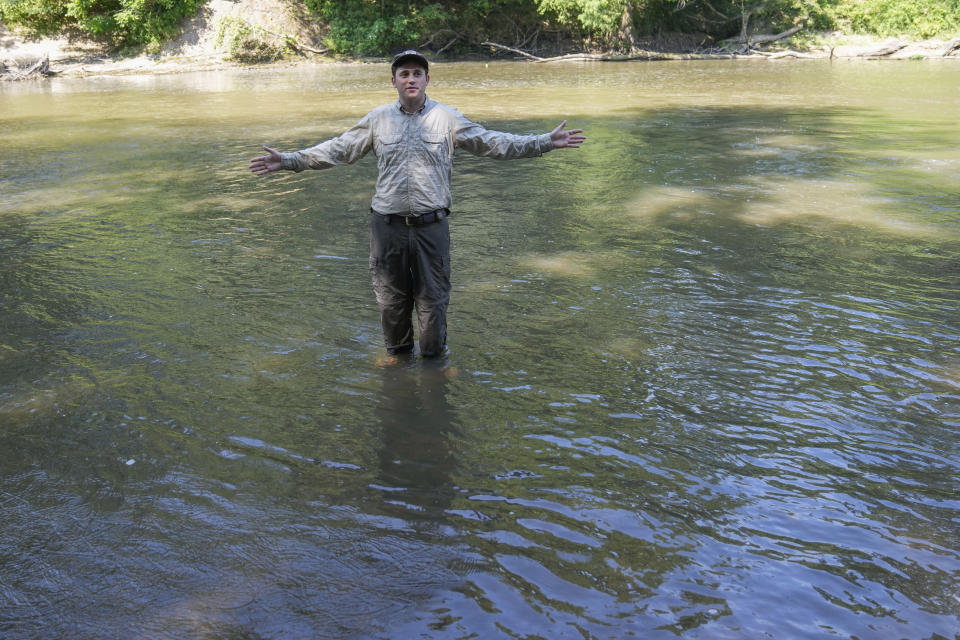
(423, 107)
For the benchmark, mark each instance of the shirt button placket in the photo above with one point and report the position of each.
(408, 158)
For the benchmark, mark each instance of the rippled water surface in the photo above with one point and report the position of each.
(704, 377)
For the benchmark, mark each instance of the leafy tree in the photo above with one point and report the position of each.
(612, 21)
(119, 22)
(43, 17)
(366, 27)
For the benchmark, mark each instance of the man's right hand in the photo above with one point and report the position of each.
(265, 164)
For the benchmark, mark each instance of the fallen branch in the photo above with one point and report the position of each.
(512, 50)
(294, 42)
(763, 39)
(448, 45)
(725, 17)
(433, 38)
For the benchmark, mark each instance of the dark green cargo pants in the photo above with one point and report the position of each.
(410, 266)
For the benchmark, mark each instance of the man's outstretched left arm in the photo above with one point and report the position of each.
(480, 141)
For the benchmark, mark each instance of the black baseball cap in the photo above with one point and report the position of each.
(409, 56)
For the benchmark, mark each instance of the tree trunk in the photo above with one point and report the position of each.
(745, 18)
(627, 34)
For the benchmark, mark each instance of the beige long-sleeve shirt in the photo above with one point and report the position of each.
(414, 153)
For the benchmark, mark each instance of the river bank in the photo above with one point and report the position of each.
(201, 46)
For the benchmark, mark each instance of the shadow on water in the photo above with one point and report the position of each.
(706, 365)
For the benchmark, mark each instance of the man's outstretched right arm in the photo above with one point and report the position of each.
(346, 148)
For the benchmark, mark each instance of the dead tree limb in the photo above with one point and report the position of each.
(432, 39)
(530, 36)
(294, 41)
(763, 39)
(446, 46)
(722, 15)
(512, 50)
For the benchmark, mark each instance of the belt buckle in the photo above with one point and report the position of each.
(407, 220)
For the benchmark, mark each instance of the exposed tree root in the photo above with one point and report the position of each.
(25, 68)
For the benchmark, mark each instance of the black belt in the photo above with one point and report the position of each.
(418, 219)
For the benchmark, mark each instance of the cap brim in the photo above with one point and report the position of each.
(410, 58)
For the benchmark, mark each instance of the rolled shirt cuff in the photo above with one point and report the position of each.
(545, 143)
(291, 161)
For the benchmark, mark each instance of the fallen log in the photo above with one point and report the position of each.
(885, 50)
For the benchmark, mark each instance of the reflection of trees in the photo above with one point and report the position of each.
(677, 216)
(37, 299)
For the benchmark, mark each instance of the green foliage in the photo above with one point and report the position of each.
(365, 27)
(152, 21)
(593, 15)
(725, 18)
(119, 22)
(381, 27)
(820, 14)
(920, 18)
(917, 18)
(43, 17)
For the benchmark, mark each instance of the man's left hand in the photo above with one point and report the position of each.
(569, 139)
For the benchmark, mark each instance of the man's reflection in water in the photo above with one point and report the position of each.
(418, 456)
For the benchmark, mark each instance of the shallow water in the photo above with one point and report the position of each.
(703, 381)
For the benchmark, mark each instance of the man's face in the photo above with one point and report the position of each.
(411, 80)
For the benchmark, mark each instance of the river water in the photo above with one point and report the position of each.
(703, 380)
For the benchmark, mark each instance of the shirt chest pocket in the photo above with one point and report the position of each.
(388, 146)
(434, 146)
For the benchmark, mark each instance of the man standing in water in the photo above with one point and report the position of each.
(414, 140)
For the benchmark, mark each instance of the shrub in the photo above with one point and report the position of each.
(245, 42)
